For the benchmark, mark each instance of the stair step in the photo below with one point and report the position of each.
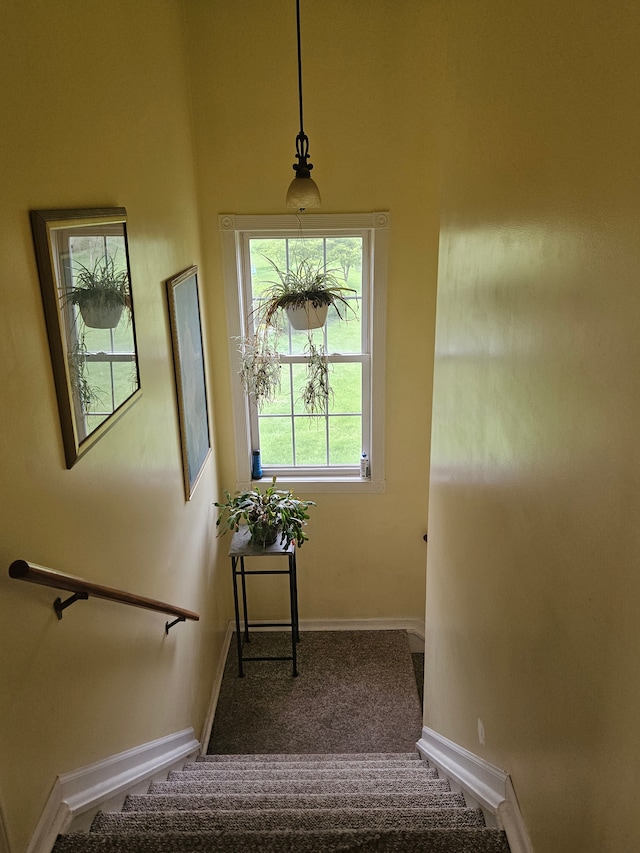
(202, 772)
(311, 756)
(295, 786)
(242, 766)
(438, 797)
(345, 841)
(316, 820)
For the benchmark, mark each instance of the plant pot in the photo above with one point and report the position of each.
(101, 316)
(264, 535)
(307, 316)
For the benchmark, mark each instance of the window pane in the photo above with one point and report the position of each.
(344, 254)
(299, 340)
(94, 421)
(344, 336)
(345, 439)
(119, 339)
(281, 404)
(276, 441)
(346, 383)
(306, 249)
(262, 272)
(311, 440)
(111, 382)
(300, 380)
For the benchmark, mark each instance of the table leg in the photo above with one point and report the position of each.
(234, 563)
(294, 613)
(244, 601)
(295, 596)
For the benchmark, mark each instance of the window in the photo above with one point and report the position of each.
(323, 445)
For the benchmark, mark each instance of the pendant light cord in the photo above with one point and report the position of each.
(299, 64)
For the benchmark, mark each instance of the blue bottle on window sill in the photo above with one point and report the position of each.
(256, 466)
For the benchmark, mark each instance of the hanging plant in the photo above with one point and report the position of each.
(101, 292)
(304, 292)
(307, 288)
(86, 395)
(316, 391)
(260, 368)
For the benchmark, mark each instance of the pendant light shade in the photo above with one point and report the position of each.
(303, 191)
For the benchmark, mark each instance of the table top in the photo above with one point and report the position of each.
(242, 547)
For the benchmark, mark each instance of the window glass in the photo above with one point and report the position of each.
(311, 435)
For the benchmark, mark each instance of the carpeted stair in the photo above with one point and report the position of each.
(388, 803)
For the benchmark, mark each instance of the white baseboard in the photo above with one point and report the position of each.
(413, 627)
(83, 789)
(490, 787)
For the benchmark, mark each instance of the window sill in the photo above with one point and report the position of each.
(324, 485)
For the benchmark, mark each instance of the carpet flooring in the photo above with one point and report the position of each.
(338, 773)
(356, 692)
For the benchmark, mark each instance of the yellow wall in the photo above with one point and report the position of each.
(95, 111)
(533, 583)
(369, 88)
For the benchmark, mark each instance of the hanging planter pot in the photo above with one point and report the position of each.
(101, 292)
(307, 316)
(98, 316)
(304, 292)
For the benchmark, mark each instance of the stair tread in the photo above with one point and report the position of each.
(362, 841)
(248, 773)
(301, 786)
(244, 766)
(272, 819)
(149, 802)
(310, 756)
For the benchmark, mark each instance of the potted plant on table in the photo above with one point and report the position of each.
(101, 292)
(270, 514)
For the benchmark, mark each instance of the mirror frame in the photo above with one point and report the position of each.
(44, 224)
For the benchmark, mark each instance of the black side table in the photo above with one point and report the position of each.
(241, 548)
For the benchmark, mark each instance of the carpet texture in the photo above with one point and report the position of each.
(364, 803)
(322, 763)
(356, 692)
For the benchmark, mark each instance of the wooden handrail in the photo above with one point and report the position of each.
(82, 589)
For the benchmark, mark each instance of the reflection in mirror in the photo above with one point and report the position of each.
(86, 288)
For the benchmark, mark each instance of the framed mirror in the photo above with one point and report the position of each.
(85, 278)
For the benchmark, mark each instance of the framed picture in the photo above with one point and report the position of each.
(85, 279)
(188, 360)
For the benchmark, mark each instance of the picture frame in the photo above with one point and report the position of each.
(189, 366)
(82, 257)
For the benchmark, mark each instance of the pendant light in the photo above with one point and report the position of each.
(303, 191)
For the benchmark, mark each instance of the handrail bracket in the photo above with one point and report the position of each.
(169, 625)
(59, 605)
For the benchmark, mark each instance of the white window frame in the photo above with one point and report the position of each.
(374, 227)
